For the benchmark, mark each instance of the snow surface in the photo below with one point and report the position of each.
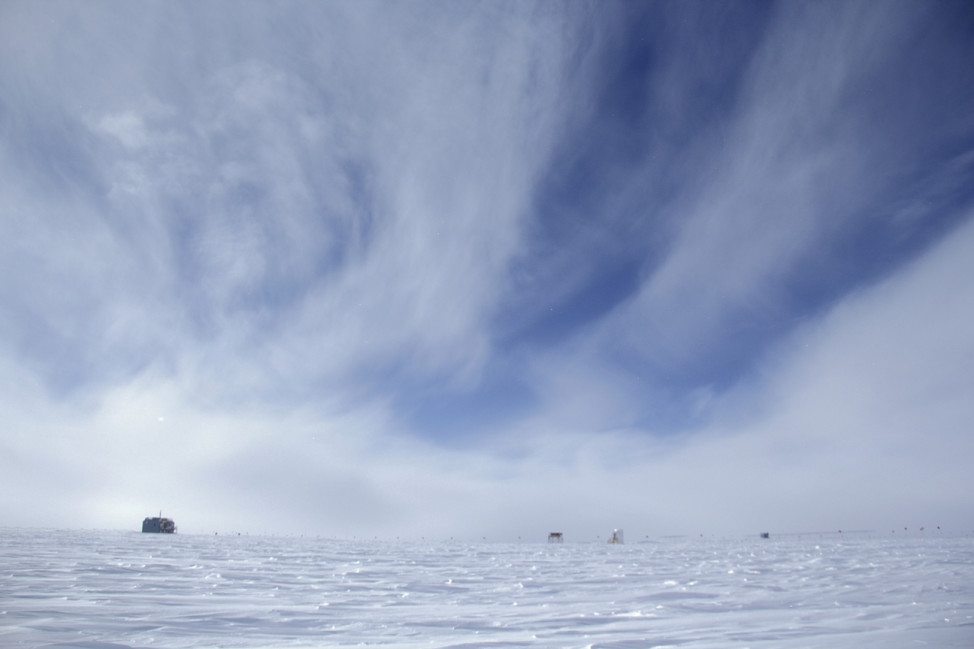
(104, 590)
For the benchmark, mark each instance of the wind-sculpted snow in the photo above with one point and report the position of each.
(106, 590)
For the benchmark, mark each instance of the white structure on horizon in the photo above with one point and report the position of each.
(616, 537)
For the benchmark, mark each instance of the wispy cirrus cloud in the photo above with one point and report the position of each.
(484, 270)
(800, 170)
(360, 202)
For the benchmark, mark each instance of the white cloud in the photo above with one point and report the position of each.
(228, 248)
(127, 127)
(791, 170)
(860, 420)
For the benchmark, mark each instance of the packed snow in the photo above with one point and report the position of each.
(108, 590)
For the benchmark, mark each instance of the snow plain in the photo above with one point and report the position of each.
(108, 590)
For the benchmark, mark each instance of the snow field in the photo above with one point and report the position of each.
(106, 590)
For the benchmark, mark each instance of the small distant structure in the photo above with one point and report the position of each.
(158, 525)
(765, 535)
(616, 537)
(556, 537)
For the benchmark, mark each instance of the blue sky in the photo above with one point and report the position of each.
(487, 269)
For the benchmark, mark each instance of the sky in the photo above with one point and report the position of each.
(487, 269)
